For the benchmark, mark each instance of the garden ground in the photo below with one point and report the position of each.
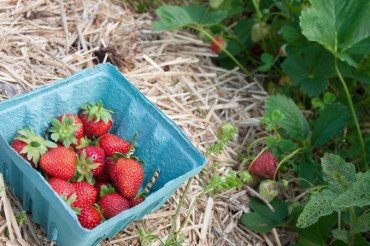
(44, 41)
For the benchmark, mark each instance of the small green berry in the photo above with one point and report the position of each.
(268, 189)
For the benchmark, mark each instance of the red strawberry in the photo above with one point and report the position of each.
(127, 175)
(257, 51)
(67, 129)
(89, 217)
(104, 175)
(62, 187)
(264, 165)
(112, 144)
(31, 146)
(112, 204)
(59, 163)
(96, 119)
(86, 194)
(135, 201)
(97, 155)
(215, 47)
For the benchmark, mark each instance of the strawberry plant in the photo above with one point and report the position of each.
(315, 54)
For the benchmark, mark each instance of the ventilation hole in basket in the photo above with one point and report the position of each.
(152, 181)
(98, 240)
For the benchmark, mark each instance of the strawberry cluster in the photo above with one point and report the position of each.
(90, 169)
(264, 166)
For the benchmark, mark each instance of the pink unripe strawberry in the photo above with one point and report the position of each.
(216, 47)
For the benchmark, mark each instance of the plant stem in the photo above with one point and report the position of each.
(169, 238)
(188, 214)
(354, 116)
(200, 29)
(286, 158)
(259, 15)
(252, 144)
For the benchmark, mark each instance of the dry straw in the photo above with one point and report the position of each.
(42, 41)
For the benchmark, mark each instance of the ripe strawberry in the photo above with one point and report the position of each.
(31, 146)
(112, 144)
(112, 204)
(59, 163)
(96, 119)
(86, 194)
(89, 217)
(62, 187)
(97, 155)
(135, 201)
(67, 129)
(264, 165)
(215, 47)
(127, 176)
(257, 51)
(111, 161)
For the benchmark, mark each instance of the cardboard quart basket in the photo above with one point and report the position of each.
(160, 144)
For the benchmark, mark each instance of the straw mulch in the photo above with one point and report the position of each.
(43, 41)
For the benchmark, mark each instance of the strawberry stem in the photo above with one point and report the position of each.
(129, 152)
(263, 150)
(286, 158)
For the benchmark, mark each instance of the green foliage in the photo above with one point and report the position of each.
(361, 224)
(310, 69)
(263, 219)
(268, 61)
(218, 183)
(357, 195)
(326, 22)
(174, 17)
(318, 233)
(345, 189)
(333, 118)
(293, 122)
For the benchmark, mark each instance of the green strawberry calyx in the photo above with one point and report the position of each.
(84, 142)
(104, 190)
(98, 112)
(69, 201)
(64, 131)
(83, 168)
(36, 145)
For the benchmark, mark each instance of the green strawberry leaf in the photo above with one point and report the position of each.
(308, 169)
(293, 122)
(358, 194)
(361, 224)
(337, 173)
(342, 235)
(318, 206)
(291, 32)
(333, 118)
(232, 7)
(174, 17)
(326, 22)
(263, 219)
(318, 233)
(310, 69)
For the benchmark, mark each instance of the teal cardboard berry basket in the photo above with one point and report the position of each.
(159, 143)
